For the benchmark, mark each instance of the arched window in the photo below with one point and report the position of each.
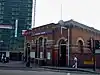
(80, 46)
(40, 41)
(45, 40)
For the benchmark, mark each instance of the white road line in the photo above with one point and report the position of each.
(68, 73)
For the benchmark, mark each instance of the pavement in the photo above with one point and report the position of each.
(72, 69)
(13, 64)
(19, 65)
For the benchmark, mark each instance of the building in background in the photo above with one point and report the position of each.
(10, 11)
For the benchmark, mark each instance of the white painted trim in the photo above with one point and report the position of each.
(80, 38)
(62, 38)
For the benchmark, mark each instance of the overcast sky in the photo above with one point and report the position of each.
(83, 11)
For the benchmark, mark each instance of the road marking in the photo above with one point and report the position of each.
(68, 73)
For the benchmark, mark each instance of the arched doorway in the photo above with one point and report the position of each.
(62, 53)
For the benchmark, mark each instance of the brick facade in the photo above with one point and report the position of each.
(57, 40)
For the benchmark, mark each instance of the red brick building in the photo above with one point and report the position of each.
(55, 42)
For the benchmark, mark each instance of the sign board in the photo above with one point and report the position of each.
(32, 54)
(88, 62)
(7, 54)
(23, 32)
(48, 55)
(41, 54)
(6, 27)
(41, 33)
(26, 32)
(97, 51)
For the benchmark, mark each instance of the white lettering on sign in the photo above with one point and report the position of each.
(41, 33)
(37, 34)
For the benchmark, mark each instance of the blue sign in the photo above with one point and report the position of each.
(42, 33)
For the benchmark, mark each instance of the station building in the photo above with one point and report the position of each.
(58, 43)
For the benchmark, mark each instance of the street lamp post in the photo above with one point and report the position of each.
(68, 46)
(16, 27)
(28, 55)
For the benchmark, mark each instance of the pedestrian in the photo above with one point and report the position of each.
(2, 58)
(75, 62)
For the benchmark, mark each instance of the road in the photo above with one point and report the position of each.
(21, 72)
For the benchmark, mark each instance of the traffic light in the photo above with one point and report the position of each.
(97, 44)
(28, 48)
(89, 44)
(28, 45)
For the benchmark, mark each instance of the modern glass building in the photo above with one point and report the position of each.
(10, 11)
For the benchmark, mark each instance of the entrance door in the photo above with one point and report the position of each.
(63, 55)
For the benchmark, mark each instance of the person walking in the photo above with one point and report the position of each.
(75, 62)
